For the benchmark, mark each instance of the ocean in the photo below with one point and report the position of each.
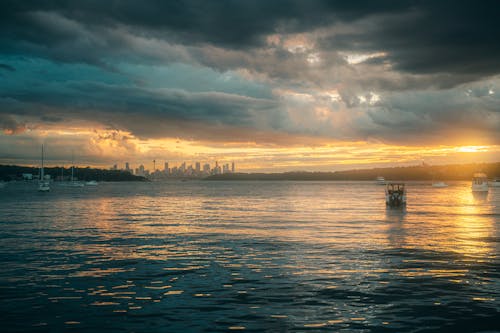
(217, 256)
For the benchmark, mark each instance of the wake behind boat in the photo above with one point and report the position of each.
(439, 184)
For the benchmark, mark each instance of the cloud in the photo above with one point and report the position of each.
(401, 72)
(10, 125)
(6, 67)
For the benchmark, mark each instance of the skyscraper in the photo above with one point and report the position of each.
(232, 167)
(206, 169)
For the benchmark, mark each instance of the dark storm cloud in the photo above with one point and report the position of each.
(433, 37)
(418, 45)
(7, 68)
(140, 110)
(226, 22)
(419, 36)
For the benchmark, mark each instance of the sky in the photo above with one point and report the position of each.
(271, 85)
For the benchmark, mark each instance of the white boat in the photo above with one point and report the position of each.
(91, 183)
(43, 184)
(395, 195)
(380, 180)
(73, 182)
(495, 182)
(439, 184)
(479, 182)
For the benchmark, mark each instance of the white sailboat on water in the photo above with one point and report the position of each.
(43, 184)
(74, 183)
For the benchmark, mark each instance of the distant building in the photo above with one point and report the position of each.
(206, 169)
(127, 167)
(198, 167)
(232, 167)
(141, 171)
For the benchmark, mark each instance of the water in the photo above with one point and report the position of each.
(255, 256)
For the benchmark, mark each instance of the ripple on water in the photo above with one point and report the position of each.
(257, 257)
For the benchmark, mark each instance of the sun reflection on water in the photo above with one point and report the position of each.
(293, 255)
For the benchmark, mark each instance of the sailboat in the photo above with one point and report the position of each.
(43, 184)
(74, 183)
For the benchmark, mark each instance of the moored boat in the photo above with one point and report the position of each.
(439, 184)
(43, 183)
(395, 195)
(380, 180)
(479, 182)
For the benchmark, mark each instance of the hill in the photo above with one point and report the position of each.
(420, 172)
(15, 172)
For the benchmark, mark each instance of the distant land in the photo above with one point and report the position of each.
(15, 172)
(418, 172)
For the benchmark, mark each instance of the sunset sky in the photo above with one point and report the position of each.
(271, 85)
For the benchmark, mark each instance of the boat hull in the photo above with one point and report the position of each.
(43, 187)
(480, 187)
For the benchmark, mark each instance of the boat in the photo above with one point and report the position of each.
(2, 184)
(380, 180)
(495, 182)
(479, 182)
(43, 184)
(72, 182)
(91, 183)
(439, 184)
(395, 194)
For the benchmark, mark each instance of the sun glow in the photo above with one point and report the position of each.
(472, 149)
(102, 147)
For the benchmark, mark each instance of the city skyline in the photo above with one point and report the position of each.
(182, 170)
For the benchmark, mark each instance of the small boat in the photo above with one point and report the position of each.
(43, 184)
(380, 180)
(479, 182)
(73, 182)
(439, 184)
(2, 184)
(395, 195)
(91, 183)
(495, 182)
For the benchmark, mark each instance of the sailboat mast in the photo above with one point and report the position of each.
(41, 171)
(72, 164)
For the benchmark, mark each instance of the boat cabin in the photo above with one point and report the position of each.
(479, 182)
(395, 194)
